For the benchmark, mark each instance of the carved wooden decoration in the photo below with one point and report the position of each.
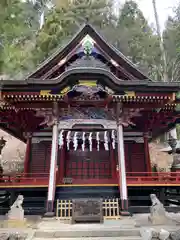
(87, 210)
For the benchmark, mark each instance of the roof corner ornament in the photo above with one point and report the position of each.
(2, 102)
(88, 45)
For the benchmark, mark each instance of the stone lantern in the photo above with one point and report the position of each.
(2, 144)
(172, 143)
(176, 159)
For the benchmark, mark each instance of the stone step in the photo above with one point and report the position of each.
(91, 233)
(96, 238)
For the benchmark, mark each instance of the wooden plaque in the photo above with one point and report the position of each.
(87, 210)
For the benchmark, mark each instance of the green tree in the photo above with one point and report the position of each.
(129, 32)
(62, 22)
(136, 39)
(19, 25)
(171, 37)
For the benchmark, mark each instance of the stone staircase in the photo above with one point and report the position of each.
(110, 230)
(93, 238)
(90, 234)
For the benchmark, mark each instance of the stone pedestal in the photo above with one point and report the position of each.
(175, 235)
(16, 214)
(158, 220)
(157, 212)
(15, 223)
(15, 218)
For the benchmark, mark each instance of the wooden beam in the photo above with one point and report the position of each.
(120, 68)
(64, 104)
(59, 64)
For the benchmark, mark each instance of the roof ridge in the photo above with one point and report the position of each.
(90, 30)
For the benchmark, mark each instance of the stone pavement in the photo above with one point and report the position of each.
(56, 229)
(123, 229)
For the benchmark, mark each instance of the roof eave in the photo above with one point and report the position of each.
(88, 29)
(12, 133)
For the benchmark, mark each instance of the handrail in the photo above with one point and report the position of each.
(153, 178)
(24, 179)
(25, 175)
(153, 173)
(141, 178)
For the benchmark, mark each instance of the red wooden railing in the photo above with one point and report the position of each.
(155, 178)
(24, 179)
(133, 178)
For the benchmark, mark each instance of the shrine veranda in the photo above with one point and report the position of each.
(87, 115)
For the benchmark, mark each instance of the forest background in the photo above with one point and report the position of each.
(31, 30)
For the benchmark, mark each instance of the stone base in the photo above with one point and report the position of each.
(87, 210)
(125, 213)
(89, 232)
(16, 214)
(15, 223)
(158, 220)
(49, 214)
(124, 208)
(15, 235)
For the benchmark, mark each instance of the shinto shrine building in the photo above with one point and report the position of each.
(87, 114)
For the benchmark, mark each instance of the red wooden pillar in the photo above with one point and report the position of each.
(147, 155)
(62, 163)
(122, 171)
(113, 162)
(53, 163)
(27, 155)
(53, 172)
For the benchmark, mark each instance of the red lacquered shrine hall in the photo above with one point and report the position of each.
(87, 114)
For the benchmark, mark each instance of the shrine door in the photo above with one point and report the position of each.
(88, 164)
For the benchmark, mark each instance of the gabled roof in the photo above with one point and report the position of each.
(123, 62)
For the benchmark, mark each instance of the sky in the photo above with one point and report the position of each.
(164, 8)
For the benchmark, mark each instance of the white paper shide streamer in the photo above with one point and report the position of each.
(75, 141)
(61, 140)
(106, 141)
(113, 139)
(90, 139)
(90, 142)
(68, 139)
(84, 140)
(98, 140)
